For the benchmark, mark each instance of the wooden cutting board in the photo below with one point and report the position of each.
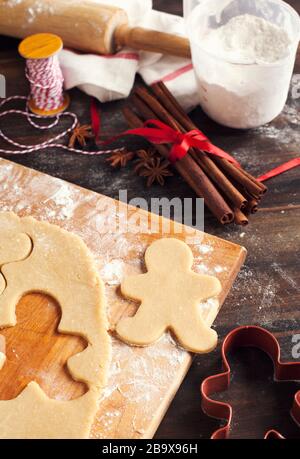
(142, 381)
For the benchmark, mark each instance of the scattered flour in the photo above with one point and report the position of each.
(219, 269)
(284, 275)
(33, 10)
(16, 355)
(147, 369)
(208, 305)
(44, 378)
(137, 376)
(205, 249)
(64, 199)
(38, 7)
(284, 130)
(112, 273)
(201, 268)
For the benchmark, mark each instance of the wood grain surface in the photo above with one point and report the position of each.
(35, 350)
(267, 289)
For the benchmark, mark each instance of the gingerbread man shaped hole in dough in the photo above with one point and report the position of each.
(35, 348)
(170, 293)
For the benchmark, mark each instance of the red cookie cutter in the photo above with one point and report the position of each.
(249, 336)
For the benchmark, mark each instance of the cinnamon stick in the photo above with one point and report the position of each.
(260, 184)
(240, 218)
(193, 175)
(239, 175)
(142, 108)
(135, 122)
(230, 191)
(145, 100)
(163, 94)
(252, 206)
(158, 109)
(253, 203)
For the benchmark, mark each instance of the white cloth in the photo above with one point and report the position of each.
(112, 77)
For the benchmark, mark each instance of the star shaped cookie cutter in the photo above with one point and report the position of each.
(248, 336)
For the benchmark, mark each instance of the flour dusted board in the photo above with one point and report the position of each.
(142, 381)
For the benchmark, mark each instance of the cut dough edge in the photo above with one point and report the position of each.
(15, 247)
(92, 325)
(138, 330)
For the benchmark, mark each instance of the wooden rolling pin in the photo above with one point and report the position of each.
(85, 25)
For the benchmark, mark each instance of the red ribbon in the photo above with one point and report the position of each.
(280, 169)
(181, 143)
(95, 119)
(161, 133)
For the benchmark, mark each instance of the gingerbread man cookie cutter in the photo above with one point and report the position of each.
(247, 336)
(170, 294)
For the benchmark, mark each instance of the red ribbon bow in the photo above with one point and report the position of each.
(181, 142)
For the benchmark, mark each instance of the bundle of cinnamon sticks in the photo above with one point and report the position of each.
(231, 193)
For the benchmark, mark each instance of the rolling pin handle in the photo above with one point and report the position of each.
(151, 40)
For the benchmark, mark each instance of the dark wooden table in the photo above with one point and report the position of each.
(267, 290)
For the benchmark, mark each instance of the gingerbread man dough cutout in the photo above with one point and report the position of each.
(14, 246)
(170, 293)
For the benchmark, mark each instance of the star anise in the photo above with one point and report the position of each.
(144, 157)
(156, 171)
(79, 135)
(120, 158)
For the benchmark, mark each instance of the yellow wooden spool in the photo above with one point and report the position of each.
(42, 46)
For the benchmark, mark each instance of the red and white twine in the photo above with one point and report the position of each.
(46, 83)
(22, 149)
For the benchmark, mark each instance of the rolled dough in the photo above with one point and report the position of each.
(13, 247)
(60, 265)
(170, 293)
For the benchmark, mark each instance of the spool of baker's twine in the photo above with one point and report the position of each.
(46, 99)
(46, 84)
